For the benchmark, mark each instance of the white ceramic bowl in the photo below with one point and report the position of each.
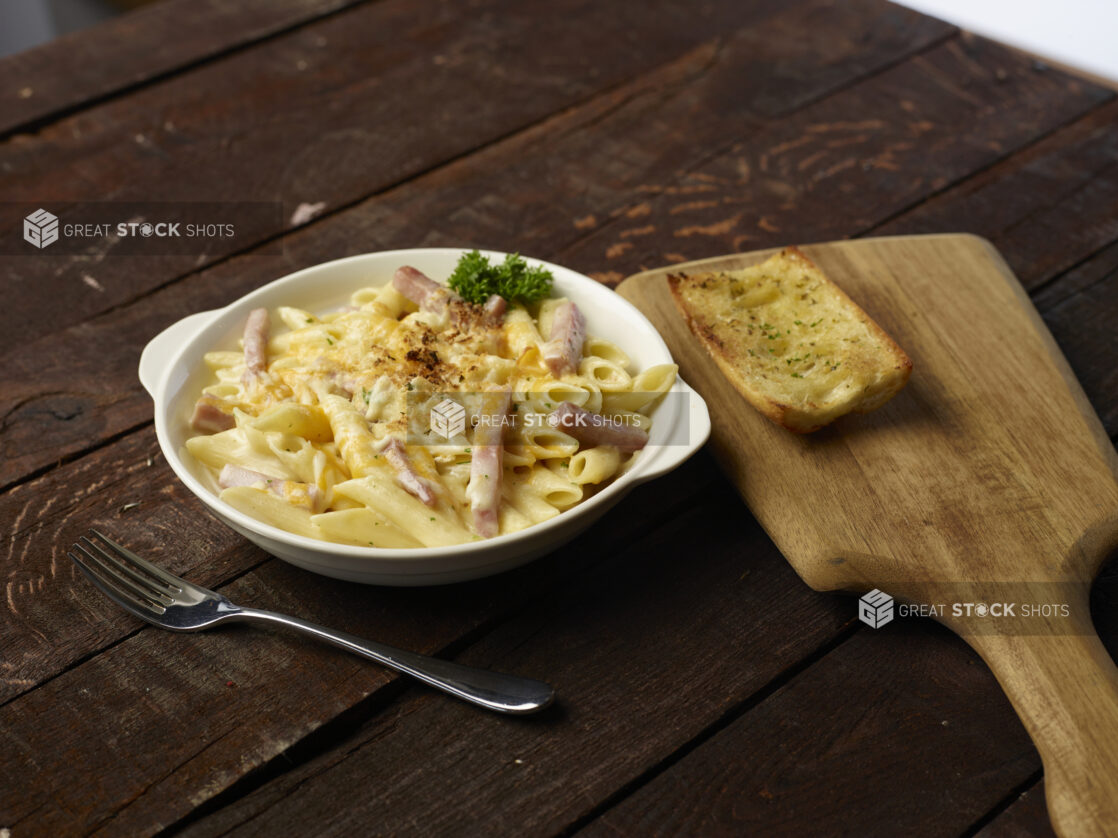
(171, 369)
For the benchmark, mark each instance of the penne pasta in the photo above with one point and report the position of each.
(594, 465)
(410, 418)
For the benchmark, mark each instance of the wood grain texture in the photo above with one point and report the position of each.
(935, 497)
(48, 623)
(837, 168)
(323, 116)
(837, 751)
(878, 737)
(139, 47)
(1045, 208)
(751, 51)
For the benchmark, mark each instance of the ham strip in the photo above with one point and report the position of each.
(563, 349)
(422, 290)
(484, 489)
(406, 475)
(209, 418)
(494, 310)
(435, 298)
(236, 476)
(256, 344)
(305, 495)
(591, 429)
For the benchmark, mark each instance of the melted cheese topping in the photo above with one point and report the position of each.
(340, 387)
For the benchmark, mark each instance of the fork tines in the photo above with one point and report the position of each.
(128, 580)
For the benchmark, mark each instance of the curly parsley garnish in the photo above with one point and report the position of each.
(475, 279)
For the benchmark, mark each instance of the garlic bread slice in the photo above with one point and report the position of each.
(796, 347)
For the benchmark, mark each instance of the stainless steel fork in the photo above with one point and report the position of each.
(165, 600)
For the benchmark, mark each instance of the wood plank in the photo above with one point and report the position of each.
(322, 116)
(899, 731)
(81, 67)
(839, 167)
(1046, 207)
(646, 652)
(544, 192)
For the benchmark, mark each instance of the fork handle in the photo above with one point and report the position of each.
(492, 690)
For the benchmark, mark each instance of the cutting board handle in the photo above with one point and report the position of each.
(1064, 686)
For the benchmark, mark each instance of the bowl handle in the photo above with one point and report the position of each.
(668, 457)
(161, 348)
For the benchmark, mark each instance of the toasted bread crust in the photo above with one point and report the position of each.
(819, 358)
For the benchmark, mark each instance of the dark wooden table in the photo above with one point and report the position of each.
(704, 689)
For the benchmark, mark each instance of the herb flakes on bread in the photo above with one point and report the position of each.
(796, 347)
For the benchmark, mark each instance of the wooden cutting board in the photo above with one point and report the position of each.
(988, 480)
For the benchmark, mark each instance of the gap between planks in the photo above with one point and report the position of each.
(1031, 782)
(43, 470)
